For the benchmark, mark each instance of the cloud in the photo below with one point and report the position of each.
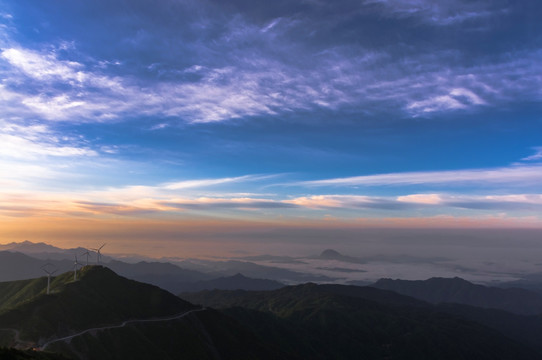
(431, 199)
(513, 176)
(458, 98)
(266, 70)
(536, 156)
(41, 67)
(441, 13)
(234, 203)
(34, 141)
(144, 200)
(188, 184)
(346, 202)
(487, 202)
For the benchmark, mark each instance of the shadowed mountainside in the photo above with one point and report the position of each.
(15, 354)
(346, 322)
(457, 290)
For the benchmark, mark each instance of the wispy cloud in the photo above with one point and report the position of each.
(34, 141)
(487, 202)
(189, 184)
(440, 13)
(458, 98)
(513, 176)
(42, 67)
(136, 201)
(536, 156)
(265, 73)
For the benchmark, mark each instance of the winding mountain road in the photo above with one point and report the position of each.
(123, 324)
(18, 343)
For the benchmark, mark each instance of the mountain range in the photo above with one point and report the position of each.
(460, 291)
(19, 266)
(351, 322)
(102, 315)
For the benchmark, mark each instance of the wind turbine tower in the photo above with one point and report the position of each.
(49, 273)
(87, 253)
(75, 265)
(98, 253)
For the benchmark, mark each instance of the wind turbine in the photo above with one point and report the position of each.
(75, 265)
(49, 273)
(87, 253)
(98, 253)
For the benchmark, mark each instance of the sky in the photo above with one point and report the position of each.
(210, 126)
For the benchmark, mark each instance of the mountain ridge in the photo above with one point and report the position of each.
(460, 291)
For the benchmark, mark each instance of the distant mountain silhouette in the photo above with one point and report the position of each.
(532, 282)
(232, 267)
(351, 322)
(18, 266)
(330, 254)
(273, 259)
(165, 275)
(457, 290)
(235, 282)
(30, 247)
(44, 251)
(175, 276)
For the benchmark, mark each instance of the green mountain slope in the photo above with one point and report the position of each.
(105, 316)
(348, 322)
(13, 293)
(98, 297)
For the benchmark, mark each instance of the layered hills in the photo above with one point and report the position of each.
(459, 291)
(102, 315)
(346, 322)
(168, 276)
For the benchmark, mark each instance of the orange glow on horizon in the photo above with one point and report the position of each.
(212, 236)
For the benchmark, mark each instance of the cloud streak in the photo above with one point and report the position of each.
(512, 176)
(442, 13)
(139, 201)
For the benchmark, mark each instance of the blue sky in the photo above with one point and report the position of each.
(377, 112)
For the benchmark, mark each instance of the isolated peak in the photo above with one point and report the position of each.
(330, 254)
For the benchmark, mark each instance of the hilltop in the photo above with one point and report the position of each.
(97, 297)
(105, 316)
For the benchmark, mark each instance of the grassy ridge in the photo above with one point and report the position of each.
(13, 293)
(98, 297)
